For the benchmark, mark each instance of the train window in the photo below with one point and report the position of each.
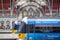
(39, 29)
(27, 28)
(2, 25)
(56, 29)
(22, 28)
(47, 29)
(8, 24)
(30, 28)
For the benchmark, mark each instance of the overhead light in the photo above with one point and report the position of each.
(43, 3)
(9, 8)
(20, 3)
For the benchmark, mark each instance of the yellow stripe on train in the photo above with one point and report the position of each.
(21, 35)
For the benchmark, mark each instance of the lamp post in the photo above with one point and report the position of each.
(11, 11)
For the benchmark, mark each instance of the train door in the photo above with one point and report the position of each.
(8, 24)
(2, 26)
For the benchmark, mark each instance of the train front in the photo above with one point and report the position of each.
(39, 29)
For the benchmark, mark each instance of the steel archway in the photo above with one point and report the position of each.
(29, 4)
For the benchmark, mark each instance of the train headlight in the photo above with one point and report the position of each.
(21, 35)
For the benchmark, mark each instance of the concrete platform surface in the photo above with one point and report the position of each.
(8, 36)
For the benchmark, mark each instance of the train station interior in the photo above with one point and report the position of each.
(16, 10)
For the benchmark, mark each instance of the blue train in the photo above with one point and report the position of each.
(41, 29)
(44, 29)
